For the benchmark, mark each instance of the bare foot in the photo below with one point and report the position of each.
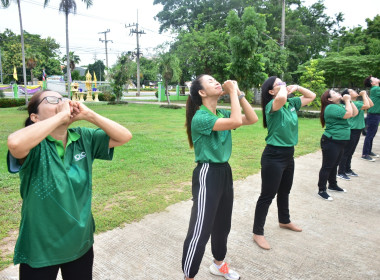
(291, 226)
(261, 241)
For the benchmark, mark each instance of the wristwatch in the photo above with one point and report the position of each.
(241, 95)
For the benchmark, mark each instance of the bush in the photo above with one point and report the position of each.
(2, 94)
(117, 103)
(171, 106)
(106, 96)
(23, 108)
(11, 102)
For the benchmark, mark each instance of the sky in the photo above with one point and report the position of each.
(115, 15)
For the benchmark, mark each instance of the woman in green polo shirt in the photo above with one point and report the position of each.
(337, 133)
(209, 132)
(55, 168)
(357, 124)
(277, 163)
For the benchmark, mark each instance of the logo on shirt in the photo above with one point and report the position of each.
(80, 156)
(293, 109)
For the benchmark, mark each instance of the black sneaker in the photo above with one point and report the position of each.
(336, 189)
(372, 154)
(368, 158)
(352, 174)
(324, 195)
(343, 176)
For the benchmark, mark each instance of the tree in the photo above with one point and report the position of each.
(120, 74)
(32, 59)
(5, 4)
(98, 67)
(148, 69)
(170, 70)
(247, 66)
(73, 60)
(68, 6)
(313, 79)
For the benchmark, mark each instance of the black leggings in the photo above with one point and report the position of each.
(277, 170)
(79, 269)
(332, 152)
(211, 215)
(345, 162)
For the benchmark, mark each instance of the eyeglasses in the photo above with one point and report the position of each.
(279, 84)
(52, 99)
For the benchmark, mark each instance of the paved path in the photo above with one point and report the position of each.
(340, 239)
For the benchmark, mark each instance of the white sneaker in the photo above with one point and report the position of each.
(224, 271)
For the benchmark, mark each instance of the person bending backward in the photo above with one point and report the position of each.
(356, 125)
(373, 118)
(337, 134)
(55, 167)
(209, 132)
(277, 163)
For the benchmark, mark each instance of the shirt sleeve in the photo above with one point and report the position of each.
(334, 111)
(204, 122)
(296, 102)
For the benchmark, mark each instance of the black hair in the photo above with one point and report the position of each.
(266, 97)
(33, 106)
(367, 81)
(194, 101)
(346, 91)
(324, 102)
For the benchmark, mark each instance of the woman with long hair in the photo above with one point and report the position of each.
(277, 162)
(334, 116)
(209, 133)
(357, 125)
(55, 167)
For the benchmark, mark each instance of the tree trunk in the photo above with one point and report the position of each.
(68, 69)
(167, 92)
(23, 52)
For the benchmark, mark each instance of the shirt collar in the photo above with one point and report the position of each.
(71, 137)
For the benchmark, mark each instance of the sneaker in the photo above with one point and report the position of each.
(372, 154)
(324, 195)
(352, 174)
(343, 176)
(367, 157)
(336, 189)
(224, 271)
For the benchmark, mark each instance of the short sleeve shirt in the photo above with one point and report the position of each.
(282, 124)
(209, 145)
(357, 122)
(56, 220)
(337, 128)
(374, 94)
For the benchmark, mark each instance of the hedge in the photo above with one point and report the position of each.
(11, 102)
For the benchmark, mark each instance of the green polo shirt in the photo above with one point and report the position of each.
(357, 122)
(209, 145)
(337, 128)
(282, 124)
(56, 220)
(374, 94)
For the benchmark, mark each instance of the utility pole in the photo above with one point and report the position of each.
(138, 49)
(105, 41)
(283, 30)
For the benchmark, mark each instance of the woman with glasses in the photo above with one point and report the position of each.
(277, 163)
(209, 132)
(55, 167)
(334, 116)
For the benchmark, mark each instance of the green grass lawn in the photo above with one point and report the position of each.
(146, 175)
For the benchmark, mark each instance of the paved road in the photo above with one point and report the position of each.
(340, 239)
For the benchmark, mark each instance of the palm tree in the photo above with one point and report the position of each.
(68, 6)
(5, 4)
(74, 59)
(32, 58)
(170, 70)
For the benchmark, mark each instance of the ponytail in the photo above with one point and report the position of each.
(324, 102)
(194, 101)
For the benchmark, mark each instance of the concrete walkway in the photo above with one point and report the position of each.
(340, 239)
